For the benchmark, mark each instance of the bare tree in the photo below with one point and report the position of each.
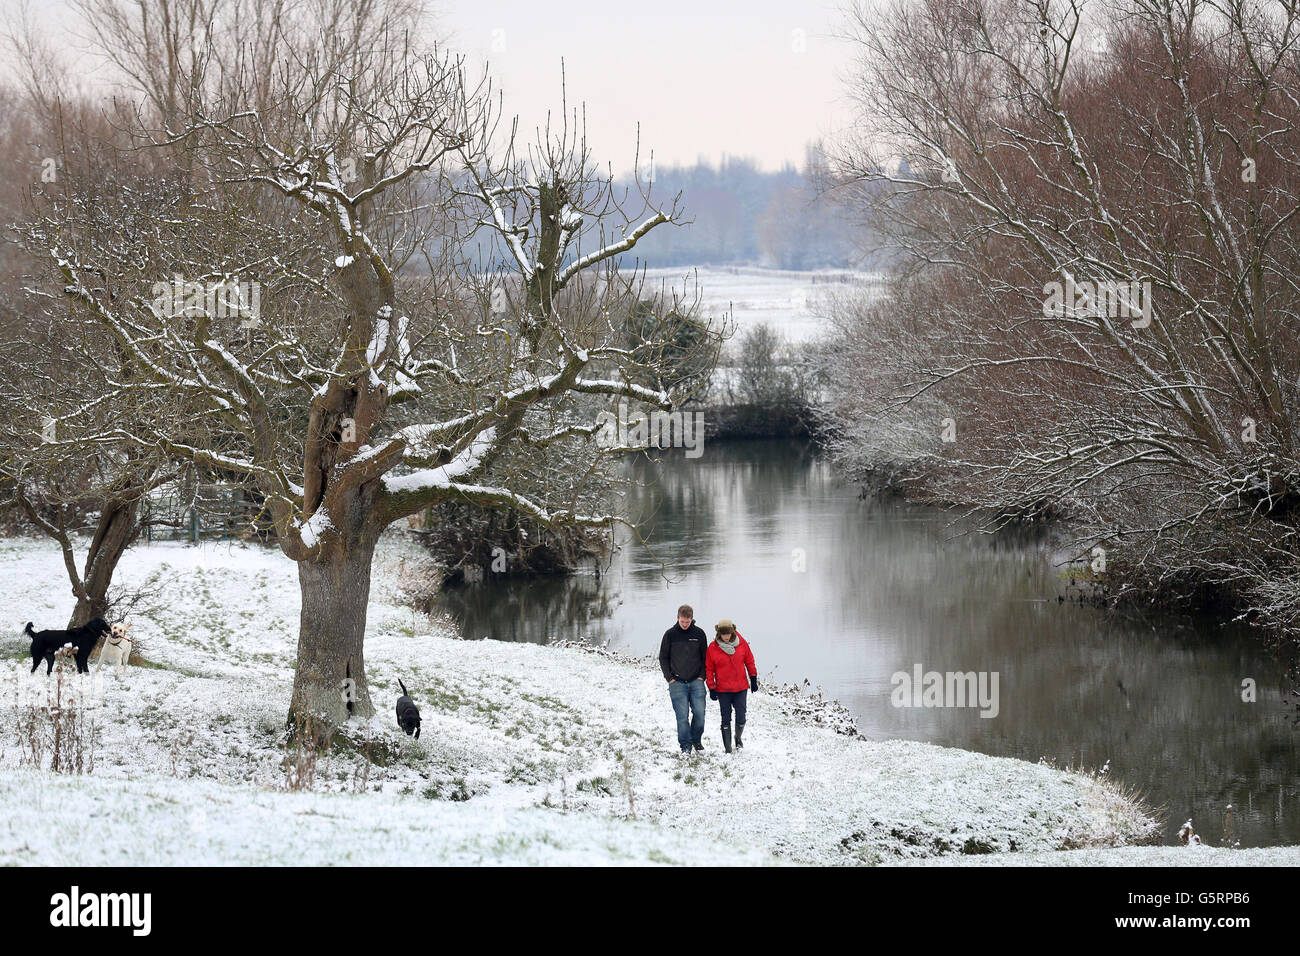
(66, 469)
(362, 389)
(59, 462)
(1096, 204)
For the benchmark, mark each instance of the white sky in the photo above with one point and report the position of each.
(704, 78)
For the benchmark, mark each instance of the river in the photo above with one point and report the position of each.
(845, 593)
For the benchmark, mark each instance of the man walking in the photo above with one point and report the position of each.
(681, 657)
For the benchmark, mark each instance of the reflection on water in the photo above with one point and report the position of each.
(886, 587)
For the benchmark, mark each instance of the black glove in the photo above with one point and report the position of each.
(713, 695)
(753, 684)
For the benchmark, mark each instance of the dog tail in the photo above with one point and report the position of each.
(28, 630)
(405, 692)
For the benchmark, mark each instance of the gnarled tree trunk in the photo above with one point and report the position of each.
(329, 685)
(116, 530)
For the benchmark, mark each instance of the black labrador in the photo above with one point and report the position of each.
(45, 644)
(408, 715)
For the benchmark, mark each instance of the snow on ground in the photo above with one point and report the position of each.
(527, 753)
(162, 821)
(789, 301)
(1134, 856)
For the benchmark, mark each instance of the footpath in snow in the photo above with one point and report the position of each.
(528, 754)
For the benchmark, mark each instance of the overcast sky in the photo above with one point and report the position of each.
(704, 78)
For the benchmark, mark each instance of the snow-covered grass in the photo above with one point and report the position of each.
(527, 754)
(158, 820)
(1135, 856)
(788, 301)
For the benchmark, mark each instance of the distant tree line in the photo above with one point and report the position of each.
(736, 213)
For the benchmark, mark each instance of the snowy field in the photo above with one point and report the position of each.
(162, 821)
(1135, 856)
(528, 754)
(790, 302)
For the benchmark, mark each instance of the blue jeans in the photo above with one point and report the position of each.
(692, 695)
(737, 700)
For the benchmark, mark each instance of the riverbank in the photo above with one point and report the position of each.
(743, 422)
(572, 749)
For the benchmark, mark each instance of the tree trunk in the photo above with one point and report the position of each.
(116, 530)
(335, 588)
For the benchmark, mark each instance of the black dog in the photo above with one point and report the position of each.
(408, 715)
(46, 643)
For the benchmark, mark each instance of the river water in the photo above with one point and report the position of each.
(846, 593)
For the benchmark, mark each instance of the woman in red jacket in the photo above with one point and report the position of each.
(730, 673)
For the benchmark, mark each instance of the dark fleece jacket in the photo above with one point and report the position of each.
(681, 653)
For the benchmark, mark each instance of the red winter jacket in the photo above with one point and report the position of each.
(729, 673)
